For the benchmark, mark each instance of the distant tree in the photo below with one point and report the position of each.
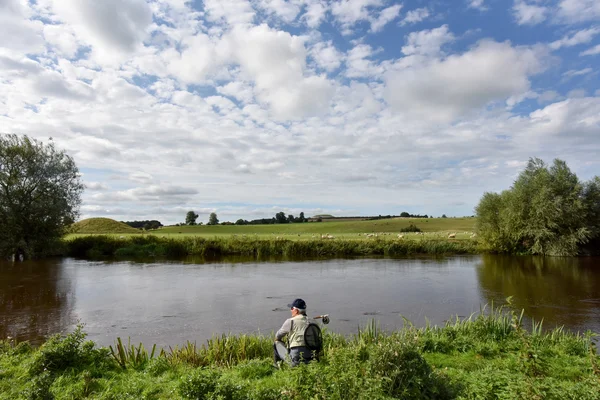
(212, 219)
(40, 195)
(444, 216)
(547, 211)
(302, 217)
(281, 218)
(404, 214)
(241, 222)
(290, 218)
(147, 224)
(190, 218)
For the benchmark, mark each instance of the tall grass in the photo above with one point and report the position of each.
(154, 246)
(487, 355)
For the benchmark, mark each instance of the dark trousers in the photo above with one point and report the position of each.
(297, 355)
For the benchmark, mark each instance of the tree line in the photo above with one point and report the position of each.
(279, 218)
(146, 225)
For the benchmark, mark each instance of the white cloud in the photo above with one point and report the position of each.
(242, 91)
(358, 65)
(529, 14)
(547, 96)
(276, 62)
(574, 11)
(477, 4)
(287, 11)
(326, 56)
(114, 28)
(349, 12)
(577, 72)
(414, 16)
(96, 186)
(62, 38)
(580, 37)
(427, 42)
(572, 118)
(17, 31)
(233, 12)
(576, 94)
(591, 51)
(447, 89)
(385, 16)
(315, 13)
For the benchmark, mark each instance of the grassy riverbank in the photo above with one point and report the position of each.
(488, 357)
(97, 246)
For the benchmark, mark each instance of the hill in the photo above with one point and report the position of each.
(102, 225)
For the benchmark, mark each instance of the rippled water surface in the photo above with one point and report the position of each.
(168, 303)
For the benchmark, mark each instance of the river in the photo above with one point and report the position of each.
(169, 303)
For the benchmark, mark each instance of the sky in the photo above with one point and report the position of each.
(347, 107)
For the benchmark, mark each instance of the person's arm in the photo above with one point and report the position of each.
(284, 330)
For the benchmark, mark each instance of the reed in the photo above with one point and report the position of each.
(130, 355)
(153, 246)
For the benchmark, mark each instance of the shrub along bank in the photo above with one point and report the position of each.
(488, 357)
(96, 246)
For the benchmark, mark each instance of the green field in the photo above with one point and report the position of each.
(343, 228)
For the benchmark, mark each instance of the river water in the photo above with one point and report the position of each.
(168, 303)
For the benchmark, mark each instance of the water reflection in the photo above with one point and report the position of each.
(170, 302)
(559, 290)
(35, 300)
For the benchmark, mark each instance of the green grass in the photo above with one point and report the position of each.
(342, 229)
(488, 356)
(97, 246)
(102, 226)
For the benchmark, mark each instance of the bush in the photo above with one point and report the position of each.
(199, 384)
(59, 354)
(410, 228)
(406, 374)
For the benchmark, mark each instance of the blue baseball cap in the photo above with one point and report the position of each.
(299, 304)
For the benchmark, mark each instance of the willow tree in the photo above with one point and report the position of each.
(40, 195)
(547, 211)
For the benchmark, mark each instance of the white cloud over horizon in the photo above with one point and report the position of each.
(248, 108)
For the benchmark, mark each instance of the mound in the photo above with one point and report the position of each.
(102, 225)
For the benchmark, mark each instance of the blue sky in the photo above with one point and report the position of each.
(349, 107)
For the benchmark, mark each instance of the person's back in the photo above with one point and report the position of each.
(294, 328)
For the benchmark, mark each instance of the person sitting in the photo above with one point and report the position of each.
(294, 328)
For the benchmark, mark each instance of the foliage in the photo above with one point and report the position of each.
(131, 355)
(547, 211)
(410, 228)
(486, 356)
(191, 217)
(40, 195)
(154, 246)
(212, 219)
(146, 224)
(404, 214)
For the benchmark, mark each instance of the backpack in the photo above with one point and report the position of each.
(313, 337)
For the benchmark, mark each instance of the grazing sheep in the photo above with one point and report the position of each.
(121, 237)
(452, 236)
(400, 236)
